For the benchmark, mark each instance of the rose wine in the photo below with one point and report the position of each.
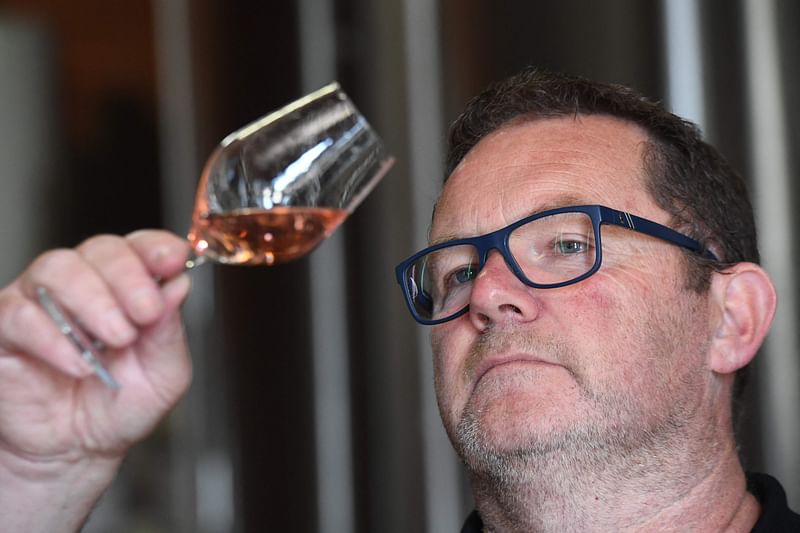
(263, 236)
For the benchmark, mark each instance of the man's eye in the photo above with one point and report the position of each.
(461, 276)
(569, 247)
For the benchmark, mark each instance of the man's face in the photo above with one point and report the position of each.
(613, 362)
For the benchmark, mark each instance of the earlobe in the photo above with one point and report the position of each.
(746, 300)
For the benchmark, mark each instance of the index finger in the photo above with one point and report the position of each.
(163, 253)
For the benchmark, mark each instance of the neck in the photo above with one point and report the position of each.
(637, 493)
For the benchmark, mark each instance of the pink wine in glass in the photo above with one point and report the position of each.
(262, 236)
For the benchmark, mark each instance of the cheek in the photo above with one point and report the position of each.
(618, 297)
(443, 344)
(590, 311)
(636, 333)
(608, 321)
(450, 343)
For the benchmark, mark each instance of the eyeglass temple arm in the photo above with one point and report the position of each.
(654, 229)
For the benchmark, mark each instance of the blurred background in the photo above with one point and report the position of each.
(312, 407)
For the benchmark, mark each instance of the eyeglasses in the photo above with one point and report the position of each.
(550, 249)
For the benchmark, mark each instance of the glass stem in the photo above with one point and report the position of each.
(194, 260)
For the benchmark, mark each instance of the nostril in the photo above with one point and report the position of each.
(483, 321)
(510, 308)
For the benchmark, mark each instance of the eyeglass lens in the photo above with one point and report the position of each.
(549, 250)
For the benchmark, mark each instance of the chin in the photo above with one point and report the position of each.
(513, 424)
(510, 414)
(504, 436)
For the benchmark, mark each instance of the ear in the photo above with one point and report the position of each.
(746, 300)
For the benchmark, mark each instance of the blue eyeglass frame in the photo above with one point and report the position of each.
(498, 240)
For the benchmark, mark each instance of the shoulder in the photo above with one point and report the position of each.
(473, 524)
(776, 516)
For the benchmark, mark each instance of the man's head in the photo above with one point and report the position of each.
(616, 361)
(686, 177)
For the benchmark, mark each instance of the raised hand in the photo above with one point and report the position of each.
(62, 431)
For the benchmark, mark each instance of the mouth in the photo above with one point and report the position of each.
(497, 361)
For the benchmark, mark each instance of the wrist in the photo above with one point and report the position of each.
(53, 495)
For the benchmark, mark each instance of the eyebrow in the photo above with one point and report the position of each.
(566, 200)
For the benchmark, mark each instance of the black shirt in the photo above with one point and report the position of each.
(776, 517)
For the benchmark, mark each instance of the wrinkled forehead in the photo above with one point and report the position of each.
(527, 167)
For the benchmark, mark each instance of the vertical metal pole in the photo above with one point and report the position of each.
(780, 374)
(394, 462)
(426, 135)
(683, 35)
(332, 418)
(202, 471)
(27, 142)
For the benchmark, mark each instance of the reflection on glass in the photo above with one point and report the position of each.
(273, 190)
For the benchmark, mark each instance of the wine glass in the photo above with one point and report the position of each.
(271, 192)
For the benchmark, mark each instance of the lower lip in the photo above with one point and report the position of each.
(524, 362)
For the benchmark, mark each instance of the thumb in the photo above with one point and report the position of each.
(175, 291)
(164, 354)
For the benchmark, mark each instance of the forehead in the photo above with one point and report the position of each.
(534, 165)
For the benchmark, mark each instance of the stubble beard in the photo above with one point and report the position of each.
(616, 437)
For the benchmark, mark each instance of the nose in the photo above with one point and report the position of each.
(499, 296)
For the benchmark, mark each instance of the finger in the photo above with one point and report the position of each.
(126, 276)
(81, 292)
(175, 291)
(27, 330)
(164, 356)
(163, 253)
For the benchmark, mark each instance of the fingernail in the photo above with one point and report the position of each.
(119, 327)
(145, 304)
(179, 285)
(165, 252)
(159, 253)
(81, 368)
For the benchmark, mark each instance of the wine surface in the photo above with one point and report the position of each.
(263, 236)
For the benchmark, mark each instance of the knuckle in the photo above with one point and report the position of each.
(100, 242)
(55, 260)
(107, 253)
(157, 247)
(145, 234)
(16, 316)
(26, 331)
(152, 237)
